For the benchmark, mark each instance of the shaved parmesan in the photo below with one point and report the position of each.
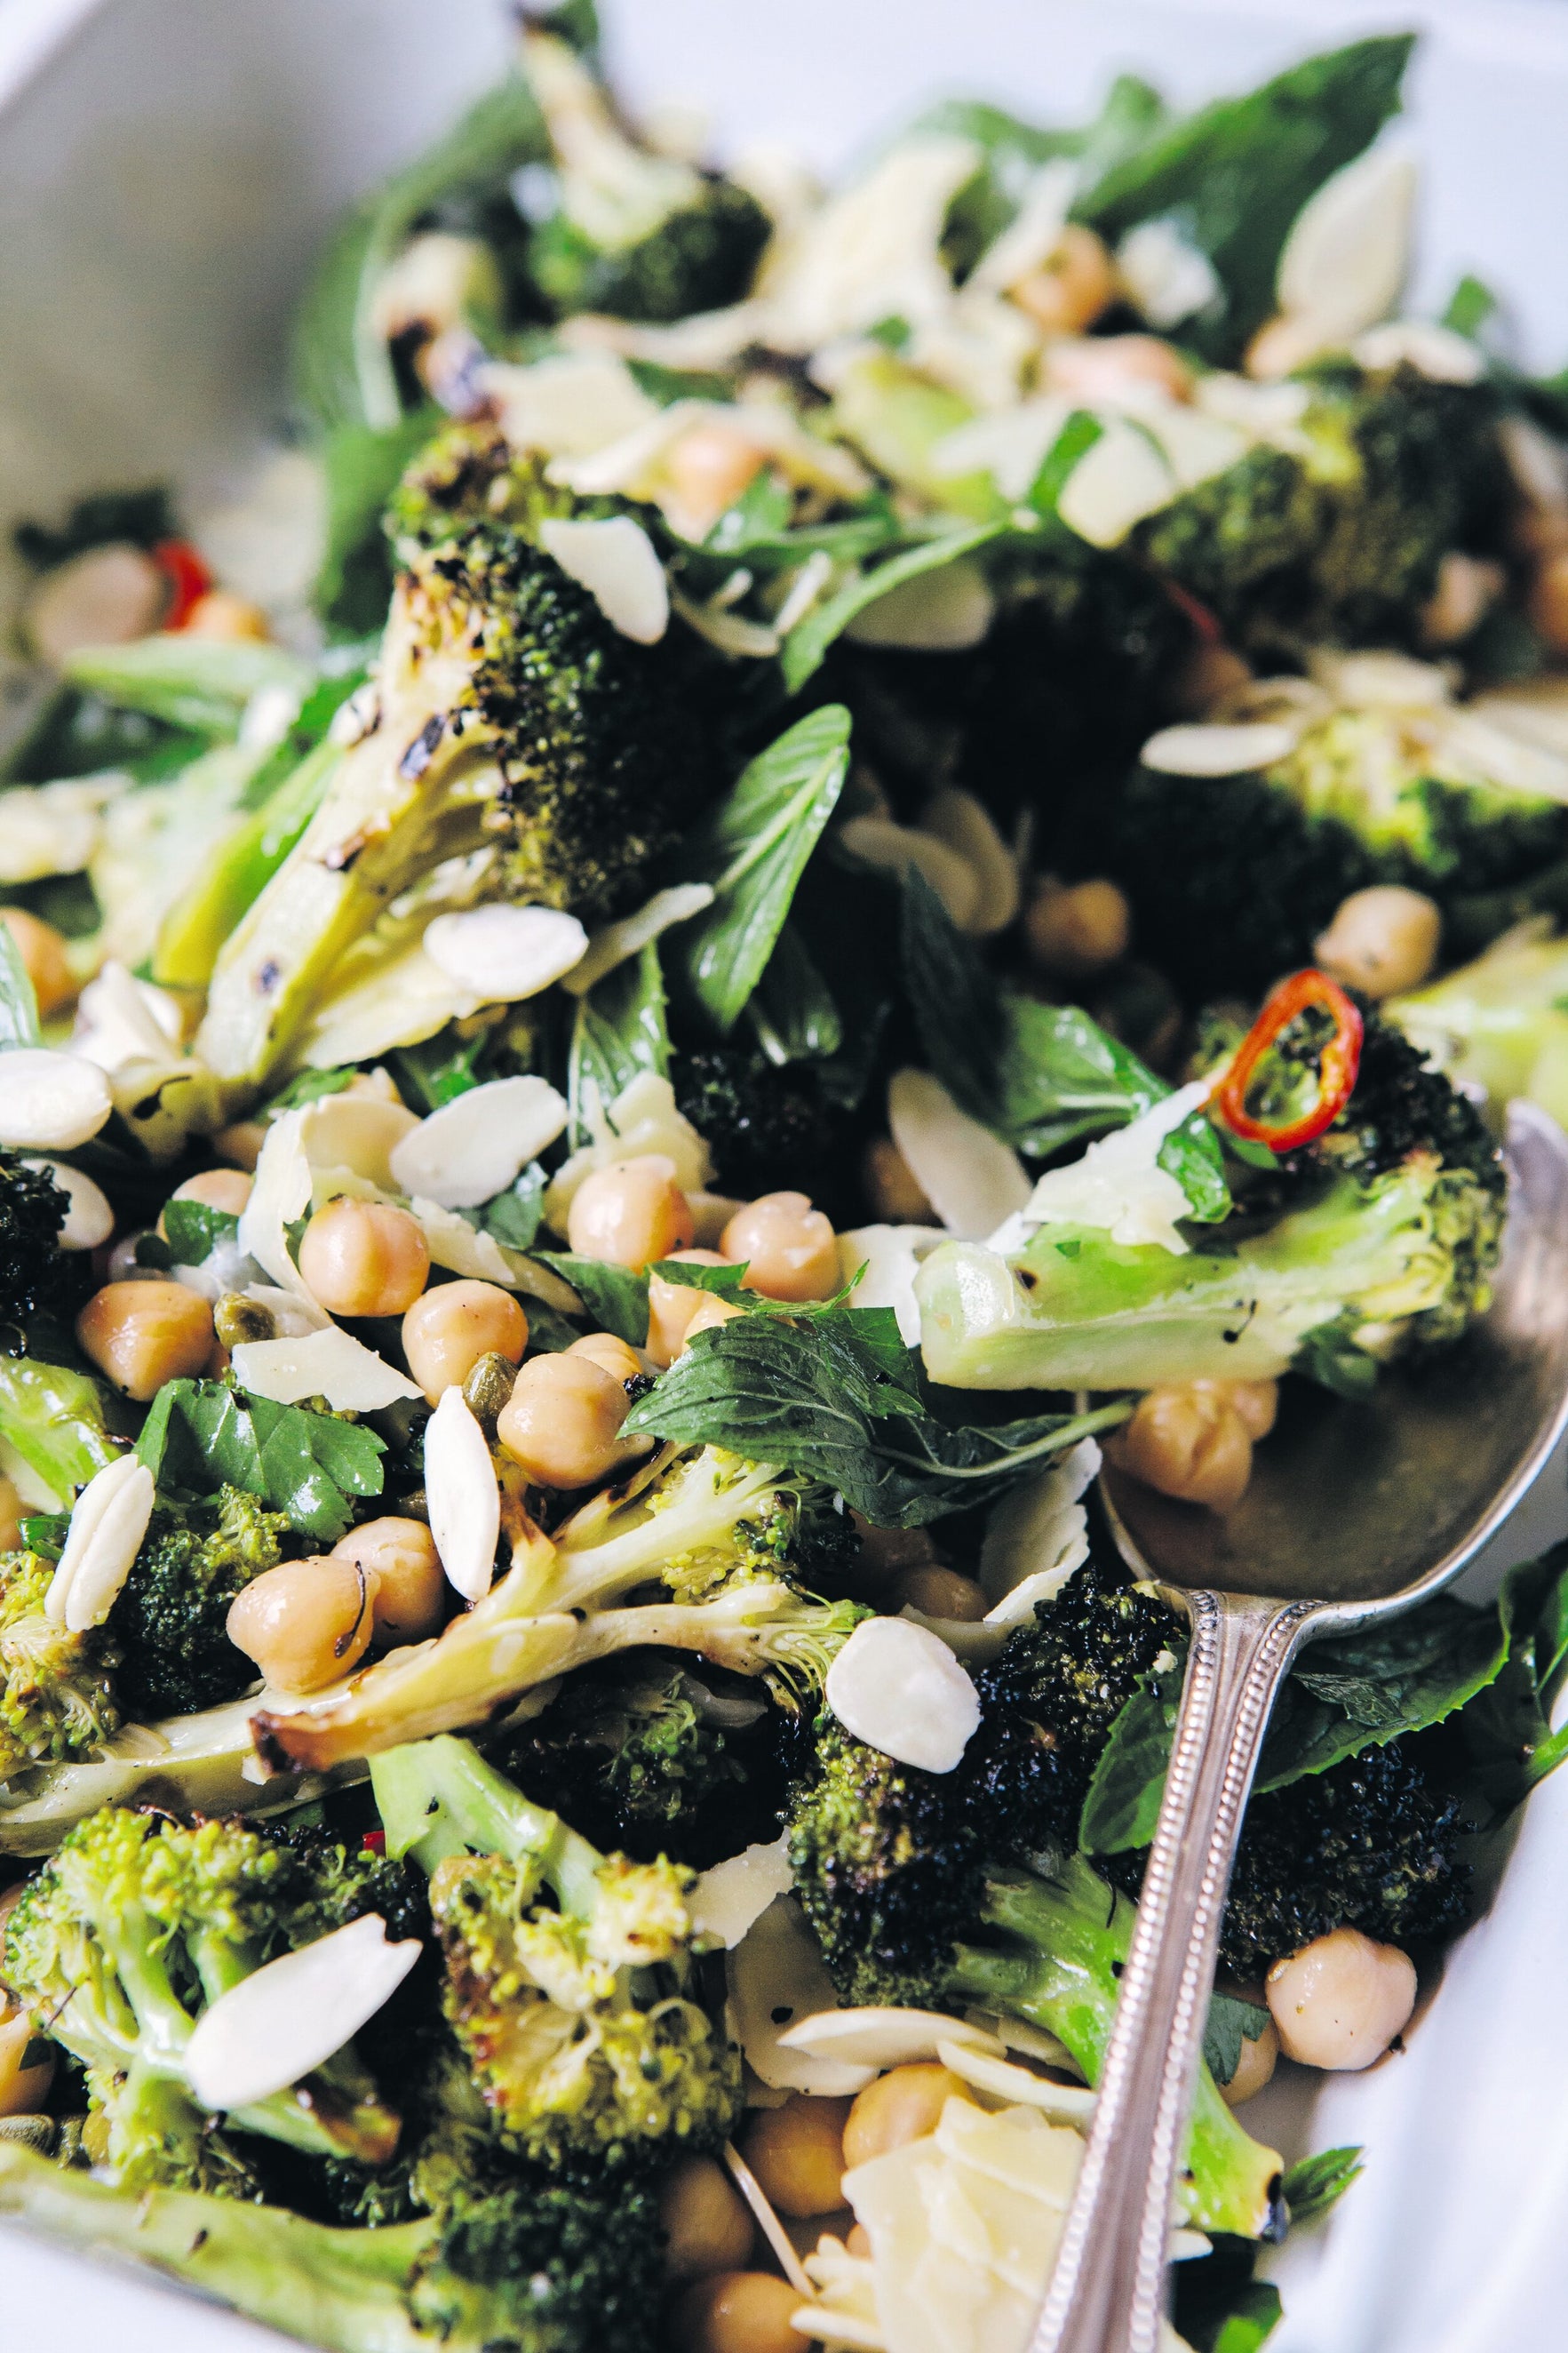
(883, 1261)
(1120, 478)
(619, 941)
(727, 1899)
(777, 1974)
(1119, 1185)
(1038, 1536)
(476, 1145)
(568, 404)
(615, 560)
(331, 1363)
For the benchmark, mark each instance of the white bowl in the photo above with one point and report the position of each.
(167, 170)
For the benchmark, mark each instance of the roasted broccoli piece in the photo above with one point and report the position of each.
(509, 2264)
(579, 2018)
(126, 1935)
(513, 717)
(764, 1126)
(638, 234)
(170, 1622)
(467, 477)
(1377, 1239)
(720, 1535)
(58, 1690)
(1232, 878)
(1501, 1023)
(1338, 537)
(33, 1267)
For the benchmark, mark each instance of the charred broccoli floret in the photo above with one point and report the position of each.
(1232, 878)
(638, 234)
(58, 1689)
(1379, 1237)
(120, 1943)
(467, 477)
(514, 718)
(32, 1264)
(171, 1619)
(578, 2018)
(762, 1126)
(1338, 537)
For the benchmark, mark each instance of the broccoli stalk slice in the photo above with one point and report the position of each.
(346, 2289)
(1068, 1940)
(1073, 1309)
(192, 930)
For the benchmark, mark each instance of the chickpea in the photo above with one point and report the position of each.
(306, 1622)
(790, 1248)
(22, 2089)
(1106, 366)
(221, 614)
(939, 1593)
(1253, 2068)
(361, 1258)
(563, 1420)
(447, 1331)
(898, 2107)
(1074, 930)
(1382, 941)
(227, 1189)
(706, 470)
(141, 1334)
(713, 1310)
(672, 1305)
(43, 952)
(241, 1142)
(1257, 1402)
(1467, 589)
(1210, 673)
(796, 2152)
(614, 1355)
(706, 2222)
(403, 1570)
(1189, 1443)
(630, 1213)
(858, 2243)
(1072, 285)
(737, 2312)
(1341, 2000)
(1281, 346)
(891, 1185)
(11, 1512)
(1549, 601)
(888, 1552)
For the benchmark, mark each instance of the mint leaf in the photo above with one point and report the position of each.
(195, 1231)
(805, 648)
(514, 1217)
(1230, 2023)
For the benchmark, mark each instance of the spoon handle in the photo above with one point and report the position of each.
(1107, 2292)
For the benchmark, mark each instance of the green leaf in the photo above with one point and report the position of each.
(619, 1028)
(514, 1217)
(1123, 1804)
(1318, 2182)
(200, 683)
(1470, 305)
(342, 368)
(18, 1005)
(45, 1532)
(836, 1396)
(1076, 439)
(792, 1011)
(616, 1297)
(752, 849)
(1508, 1727)
(805, 648)
(200, 1436)
(439, 1071)
(1230, 2023)
(310, 1086)
(1236, 175)
(363, 465)
(195, 1231)
(1251, 2321)
(53, 1418)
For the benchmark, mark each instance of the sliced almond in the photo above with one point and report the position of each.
(897, 1686)
(971, 1178)
(883, 2037)
(1064, 2104)
(942, 611)
(291, 2016)
(1345, 259)
(615, 562)
(967, 825)
(89, 1219)
(502, 955)
(107, 1525)
(462, 1494)
(897, 848)
(51, 1101)
(1120, 478)
(474, 1147)
(1219, 748)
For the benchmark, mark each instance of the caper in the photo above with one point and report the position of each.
(237, 1319)
(488, 1385)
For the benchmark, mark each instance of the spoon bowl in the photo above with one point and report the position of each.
(1357, 1510)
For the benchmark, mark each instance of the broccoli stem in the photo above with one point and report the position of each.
(193, 932)
(1073, 1936)
(344, 2290)
(438, 1797)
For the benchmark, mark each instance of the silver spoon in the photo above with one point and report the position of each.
(1356, 1511)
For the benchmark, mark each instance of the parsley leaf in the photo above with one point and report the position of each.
(1231, 2023)
(200, 1436)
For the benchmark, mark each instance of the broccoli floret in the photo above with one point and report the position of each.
(638, 234)
(763, 1125)
(465, 476)
(1340, 537)
(513, 717)
(58, 1690)
(511, 2261)
(1232, 878)
(1380, 1238)
(720, 1535)
(171, 1620)
(1501, 1023)
(579, 2018)
(33, 1267)
(120, 1943)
